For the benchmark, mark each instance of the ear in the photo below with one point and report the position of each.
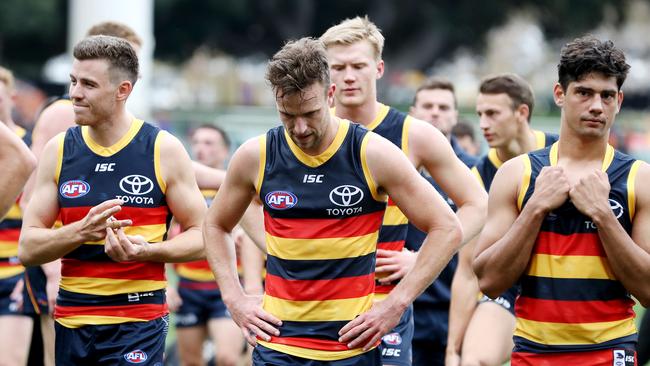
(558, 95)
(524, 112)
(330, 94)
(380, 69)
(124, 90)
(620, 101)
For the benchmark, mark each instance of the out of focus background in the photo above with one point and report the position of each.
(204, 61)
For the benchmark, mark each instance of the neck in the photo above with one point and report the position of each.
(581, 148)
(109, 131)
(364, 114)
(523, 143)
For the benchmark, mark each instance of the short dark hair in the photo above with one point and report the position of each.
(514, 86)
(298, 65)
(588, 54)
(463, 128)
(115, 29)
(117, 51)
(434, 83)
(224, 135)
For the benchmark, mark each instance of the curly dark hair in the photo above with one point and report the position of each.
(588, 54)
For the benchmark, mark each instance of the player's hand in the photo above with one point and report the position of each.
(551, 188)
(591, 194)
(368, 328)
(253, 321)
(16, 295)
(174, 300)
(94, 225)
(397, 263)
(125, 248)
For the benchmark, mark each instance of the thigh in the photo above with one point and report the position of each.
(488, 338)
(396, 346)
(15, 338)
(190, 344)
(228, 340)
(47, 333)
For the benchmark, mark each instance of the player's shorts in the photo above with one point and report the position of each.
(7, 305)
(506, 300)
(34, 293)
(603, 357)
(396, 345)
(263, 356)
(141, 343)
(199, 306)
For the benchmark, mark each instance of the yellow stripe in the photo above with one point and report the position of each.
(631, 178)
(260, 172)
(209, 193)
(327, 248)
(540, 139)
(14, 213)
(6, 272)
(156, 161)
(312, 354)
(20, 132)
(525, 181)
(151, 233)
(405, 135)
(194, 274)
(328, 310)
(394, 216)
(573, 334)
(380, 297)
(100, 150)
(322, 158)
(372, 185)
(570, 266)
(59, 158)
(109, 286)
(494, 158)
(8, 249)
(379, 118)
(478, 176)
(553, 154)
(609, 157)
(83, 320)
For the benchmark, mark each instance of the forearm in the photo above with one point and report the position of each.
(464, 292)
(222, 258)
(472, 217)
(253, 266)
(184, 247)
(39, 246)
(206, 177)
(253, 224)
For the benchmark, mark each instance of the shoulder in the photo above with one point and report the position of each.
(55, 118)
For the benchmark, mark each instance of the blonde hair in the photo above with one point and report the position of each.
(115, 29)
(354, 30)
(7, 77)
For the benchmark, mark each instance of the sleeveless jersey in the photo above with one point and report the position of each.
(393, 125)
(487, 166)
(322, 216)
(570, 299)
(10, 229)
(95, 289)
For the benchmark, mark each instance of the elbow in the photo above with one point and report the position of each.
(24, 256)
(489, 288)
(28, 164)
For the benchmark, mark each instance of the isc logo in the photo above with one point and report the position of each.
(312, 178)
(74, 189)
(136, 356)
(281, 200)
(104, 167)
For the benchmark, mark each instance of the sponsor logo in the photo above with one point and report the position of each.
(74, 189)
(394, 339)
(136, 184)
(281, 200)
(136, 199)
(617, 208)
(313, 178)
(619, 357)
(105, 167)
(391, 352)
(135, 296)
(187, 319)
(137, 356)
(346, 195)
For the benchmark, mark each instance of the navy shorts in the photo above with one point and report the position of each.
(141, 343)
(506, 300)
(34, 294)
(199, 306)
(396, 346)
(263, 356)
(7, 305)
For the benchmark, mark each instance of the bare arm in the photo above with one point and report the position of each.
(17, 164)
(505, 245)
(429, 148)
(252, 262)
(253, 224)
(424, 207)
(206, 177)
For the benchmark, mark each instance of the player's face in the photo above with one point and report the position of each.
(306, 116)
(355, 71)
(437, 107)
(590, 105)
(6, 103)
(209, 148)
(497, 119)
(91, 91)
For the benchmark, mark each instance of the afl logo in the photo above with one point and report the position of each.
(346, 195)
(616, 207)
(393, 339)
(136, 184)
(74, 189)
(281, 200)
(136, 356)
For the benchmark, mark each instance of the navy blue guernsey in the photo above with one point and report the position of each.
(570, 299)
(94, 289)
(321, 216)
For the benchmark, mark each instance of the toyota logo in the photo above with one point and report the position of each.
(136, 184)
(346, 195)
(616, 207)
